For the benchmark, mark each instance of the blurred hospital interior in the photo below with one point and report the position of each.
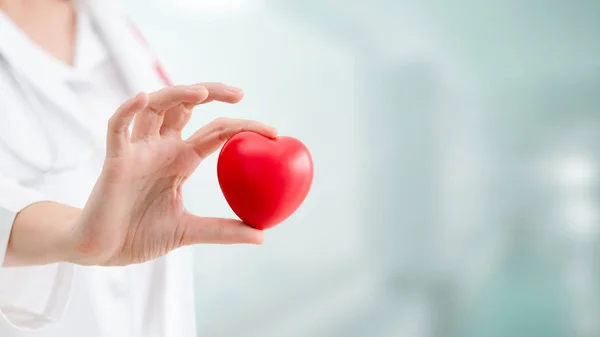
(456, 148)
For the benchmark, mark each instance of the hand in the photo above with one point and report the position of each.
(135, 212)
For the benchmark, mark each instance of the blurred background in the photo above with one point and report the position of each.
(456, 148)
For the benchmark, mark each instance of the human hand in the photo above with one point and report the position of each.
(135, 212)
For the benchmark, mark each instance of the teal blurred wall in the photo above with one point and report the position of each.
(456, 147)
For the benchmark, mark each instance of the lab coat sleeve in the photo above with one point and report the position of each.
(30, 297)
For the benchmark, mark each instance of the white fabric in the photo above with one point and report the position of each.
(52, 127)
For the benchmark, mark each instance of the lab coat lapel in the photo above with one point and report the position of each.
(129, 53)
(53, 89)
(66, 102)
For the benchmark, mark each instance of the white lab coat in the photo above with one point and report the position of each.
(60, 300)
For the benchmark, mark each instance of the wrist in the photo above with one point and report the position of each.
(67, 248)
(42, 233)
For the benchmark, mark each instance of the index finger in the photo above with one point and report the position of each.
(176, 118)
(149, 121)
(212, 136)
(222, 92)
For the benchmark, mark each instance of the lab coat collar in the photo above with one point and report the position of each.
(28, 58)
(47, 81)
(130, 55)
(36, 63)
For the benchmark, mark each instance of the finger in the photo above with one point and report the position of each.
(219, 231)
(118, 125)
(222, 92)
(212, 136)
(175, 119)
(149, 121)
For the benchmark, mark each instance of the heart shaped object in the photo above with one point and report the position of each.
(264, 180)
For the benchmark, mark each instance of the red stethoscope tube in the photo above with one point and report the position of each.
(160, 70)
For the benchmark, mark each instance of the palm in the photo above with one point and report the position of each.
(156, 171)
(136, 211)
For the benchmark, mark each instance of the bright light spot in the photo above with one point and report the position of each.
(576, 171)
(218, 5)
(581, 217)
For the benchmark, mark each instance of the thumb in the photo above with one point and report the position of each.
(199, 230)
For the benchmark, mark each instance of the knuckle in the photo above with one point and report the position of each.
(154, 110)
(223, 127)
(221, 122)
(178, 90)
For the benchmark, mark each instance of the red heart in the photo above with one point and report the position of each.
(264, 180)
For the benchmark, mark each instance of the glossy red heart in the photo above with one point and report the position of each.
(264, 180)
